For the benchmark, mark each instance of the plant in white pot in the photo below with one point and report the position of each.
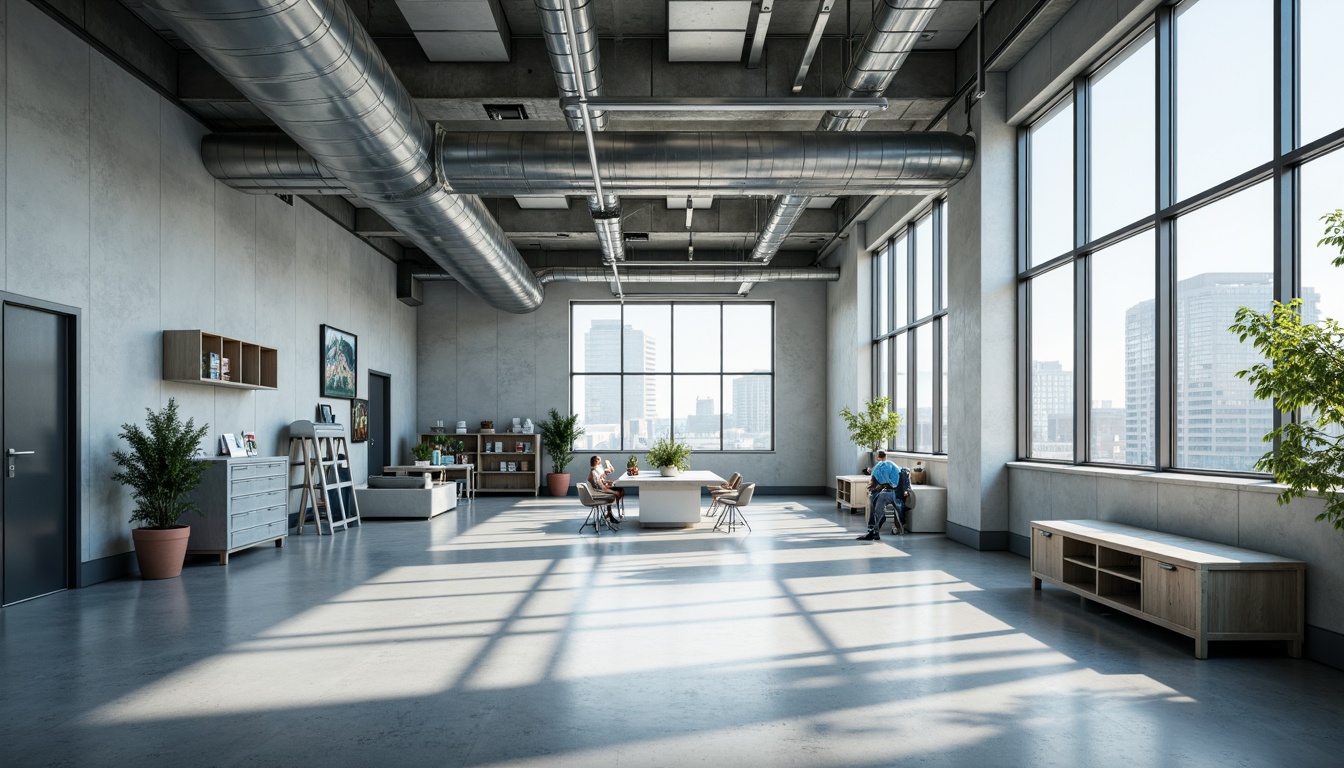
(160, 470)
(669, 457)
(422, 453)
(872, 426)
(558, 434)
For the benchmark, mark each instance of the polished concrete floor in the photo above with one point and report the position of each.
(497, 635)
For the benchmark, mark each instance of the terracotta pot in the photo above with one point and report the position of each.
(161, 551)
(558, 484)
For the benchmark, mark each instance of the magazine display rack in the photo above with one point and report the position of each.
(320, 458)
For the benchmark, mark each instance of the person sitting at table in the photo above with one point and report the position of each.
(602, 487)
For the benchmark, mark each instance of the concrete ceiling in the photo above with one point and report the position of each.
(634, 49)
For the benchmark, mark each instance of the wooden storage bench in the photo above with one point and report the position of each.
(1203, 590)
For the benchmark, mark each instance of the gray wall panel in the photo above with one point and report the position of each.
(113, 213)
(123, 308)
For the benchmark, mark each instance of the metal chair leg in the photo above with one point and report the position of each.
(594, 517)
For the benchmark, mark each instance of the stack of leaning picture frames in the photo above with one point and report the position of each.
(319, 458)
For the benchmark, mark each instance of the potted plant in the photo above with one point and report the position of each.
(160, 471)
(558, 434)
(669, 456)
(874, 425)
(423, 452)
(632, 465)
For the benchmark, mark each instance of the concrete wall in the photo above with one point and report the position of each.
(478, 363)
(106, 208)
(849, 361)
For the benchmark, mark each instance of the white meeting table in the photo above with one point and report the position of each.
(668, 502)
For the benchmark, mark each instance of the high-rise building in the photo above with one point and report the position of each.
(1051, 410)
(1220, 425)
(751, 411)
(624, 405)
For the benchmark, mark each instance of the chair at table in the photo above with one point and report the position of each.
(732, 516)
(716, 495)
(598, 508)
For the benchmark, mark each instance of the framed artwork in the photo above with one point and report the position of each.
(340, 363)
(359, 421)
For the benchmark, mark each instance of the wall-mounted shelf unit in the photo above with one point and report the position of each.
(489, 475)
(187, 358)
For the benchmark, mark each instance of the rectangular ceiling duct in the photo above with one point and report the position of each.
(707, 30)
(459, 30)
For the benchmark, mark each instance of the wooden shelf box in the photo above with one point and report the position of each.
(187, 356)
(488, 475)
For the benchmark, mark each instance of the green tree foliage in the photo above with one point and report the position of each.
(159, 469)
(1303, 372)
(874, 426)
(666, 452)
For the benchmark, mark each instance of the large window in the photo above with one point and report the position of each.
(1179, 162)
(910, 330)
(702, 372)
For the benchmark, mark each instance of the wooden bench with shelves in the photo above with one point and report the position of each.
(1203, 590)
(187, 358)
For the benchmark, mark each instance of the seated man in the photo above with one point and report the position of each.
(603, 489)
(882, 491)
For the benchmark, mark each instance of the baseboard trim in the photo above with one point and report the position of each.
(107, 568)
(1019, 544)
(984, 541)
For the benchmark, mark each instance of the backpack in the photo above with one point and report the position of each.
(903, 490)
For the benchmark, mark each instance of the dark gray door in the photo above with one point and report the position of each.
(380, 429)
(36, 430)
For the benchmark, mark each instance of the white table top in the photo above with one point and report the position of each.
(694, 478)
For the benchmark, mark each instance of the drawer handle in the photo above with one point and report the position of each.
(1166, 566)
(1047, 534)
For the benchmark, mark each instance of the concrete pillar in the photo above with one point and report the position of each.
(982, 298)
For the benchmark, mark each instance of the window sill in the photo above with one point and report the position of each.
(1168, 478)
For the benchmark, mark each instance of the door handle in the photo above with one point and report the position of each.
(13, 452)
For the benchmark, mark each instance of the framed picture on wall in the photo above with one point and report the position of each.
(359, 421)
(340, 363)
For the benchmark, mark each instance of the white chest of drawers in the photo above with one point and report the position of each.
(244, 503)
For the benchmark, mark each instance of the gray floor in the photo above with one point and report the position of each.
(498, 636)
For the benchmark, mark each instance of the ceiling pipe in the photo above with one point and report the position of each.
(571, 43)
(653, 164)
(696, 274)
(896, 27)
(313, 69)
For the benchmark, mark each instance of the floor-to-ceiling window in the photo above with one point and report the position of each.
(702, 372)
(1181, 177)
(910, 330)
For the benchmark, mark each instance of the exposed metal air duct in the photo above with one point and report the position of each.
(697, 274)
(659, 164)
(558, 32)
(896, 28)
(313, 69)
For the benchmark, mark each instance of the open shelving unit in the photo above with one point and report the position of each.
(489, 475)
(186, 358)
(1200, 589)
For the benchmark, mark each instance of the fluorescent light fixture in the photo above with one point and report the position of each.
(542, 202)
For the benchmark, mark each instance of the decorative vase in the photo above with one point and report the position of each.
(436, 457)
(558, 484)
(161, 551)
(527, 427)
(669, 471)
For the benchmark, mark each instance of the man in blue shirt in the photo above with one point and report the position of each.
(886, 476)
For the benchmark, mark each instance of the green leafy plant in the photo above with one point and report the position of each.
(666, 452)
(422, 451)
(631, 462)
(159, 468)
(874, 425)
(558, 434)
(1304, 372)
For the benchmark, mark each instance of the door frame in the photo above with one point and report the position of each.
(74, 450)
(386, 437)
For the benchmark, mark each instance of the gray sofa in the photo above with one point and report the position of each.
(401, 497)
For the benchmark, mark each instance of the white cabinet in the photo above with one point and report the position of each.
(243, 501)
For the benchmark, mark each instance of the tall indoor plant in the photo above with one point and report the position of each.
(872, 426)
(558, 434)
(160, 471)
